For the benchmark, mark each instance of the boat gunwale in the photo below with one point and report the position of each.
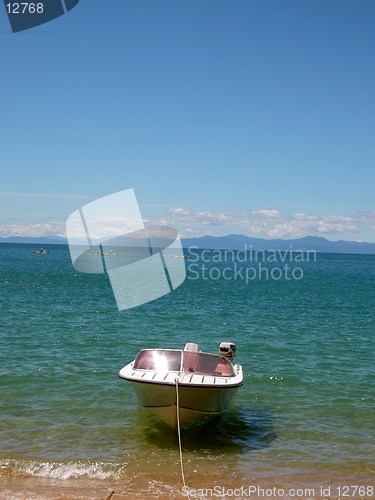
(188, 384)
(227, 382)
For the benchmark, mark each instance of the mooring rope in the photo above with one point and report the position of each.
(186, 490)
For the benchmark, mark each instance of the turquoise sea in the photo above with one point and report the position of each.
(304, 418)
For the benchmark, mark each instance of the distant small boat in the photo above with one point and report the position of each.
(181, 256)
(194, 383)
(42, 251)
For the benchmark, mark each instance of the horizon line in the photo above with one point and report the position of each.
(64, 240)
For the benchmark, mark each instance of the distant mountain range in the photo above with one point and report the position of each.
(241, 242)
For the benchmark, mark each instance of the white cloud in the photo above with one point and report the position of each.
(32, 230)
(267, 213)
(178, 211)
(265, 223)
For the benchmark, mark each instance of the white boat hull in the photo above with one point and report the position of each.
(195, 403)
(168, 414)
(199, 396)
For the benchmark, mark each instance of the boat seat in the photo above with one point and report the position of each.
(191, 346)
(190, 361)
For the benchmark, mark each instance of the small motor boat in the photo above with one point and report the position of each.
(42, 251)
(194, 383)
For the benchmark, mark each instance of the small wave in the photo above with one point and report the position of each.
(64, 470)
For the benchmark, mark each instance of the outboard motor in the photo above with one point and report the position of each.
(228, 350)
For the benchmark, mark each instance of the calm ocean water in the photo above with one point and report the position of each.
(307, 344)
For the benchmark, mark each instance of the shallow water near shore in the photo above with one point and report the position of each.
(305, 416)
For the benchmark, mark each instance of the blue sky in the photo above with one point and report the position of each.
(250, 116)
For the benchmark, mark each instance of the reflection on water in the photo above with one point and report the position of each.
(235, 431)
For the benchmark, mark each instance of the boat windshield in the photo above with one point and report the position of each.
(207, 364)
(192, 362)
(158, 360)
